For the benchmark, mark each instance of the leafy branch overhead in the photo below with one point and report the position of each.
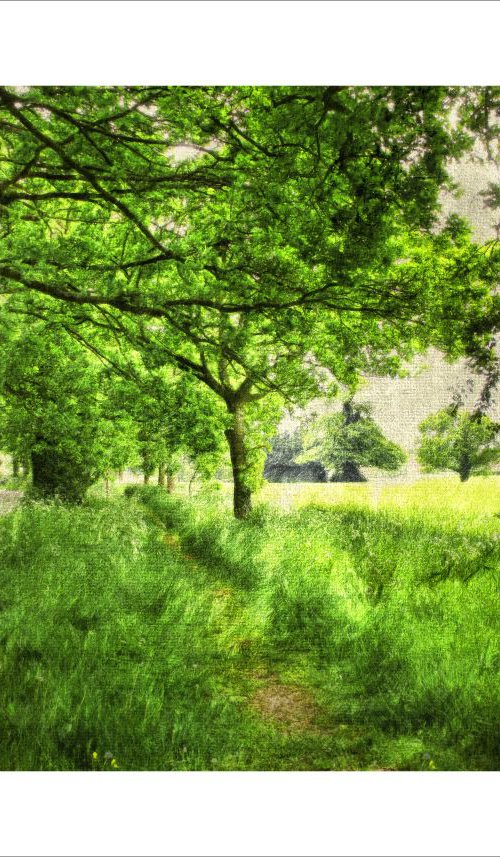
(245, 235)
(288, 202)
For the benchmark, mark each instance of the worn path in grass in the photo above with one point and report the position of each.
(290, 706)
(274, 690)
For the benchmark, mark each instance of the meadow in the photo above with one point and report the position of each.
(340, 627)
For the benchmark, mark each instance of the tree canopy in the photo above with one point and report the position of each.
(246, 235)
(281, 464)
(347, 441)
(57, 413)
(174, 419)
(454, 439)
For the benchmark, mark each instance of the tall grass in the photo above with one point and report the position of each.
(397, 618)
(105, 647)
(138, 630)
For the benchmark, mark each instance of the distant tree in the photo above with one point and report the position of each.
(458, 440)
(347, 441)
(281, 465)
(176, 419)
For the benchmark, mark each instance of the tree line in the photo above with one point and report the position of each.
(337, 446)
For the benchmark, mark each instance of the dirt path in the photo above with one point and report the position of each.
(290, 719)
(290, 707)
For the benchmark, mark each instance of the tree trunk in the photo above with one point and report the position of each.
(349, 472)
(464, 473)
(161, 474)
(170, 482)
(15, 466)
(242, 495)
(146, 478)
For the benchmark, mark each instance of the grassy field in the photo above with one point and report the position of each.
(340, 628)
(476, 502)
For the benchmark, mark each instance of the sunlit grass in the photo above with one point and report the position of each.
(393, 615)
(476, 502)
(140, 630)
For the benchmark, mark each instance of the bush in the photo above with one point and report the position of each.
(131, 491)
(59, 476)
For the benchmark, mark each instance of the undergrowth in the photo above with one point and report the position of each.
(134, 633)
(396, 618)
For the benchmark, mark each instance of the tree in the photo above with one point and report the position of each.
(57, 415)
(175, 419)
(281, 465)
(300, 233)
(455, 439)
(347, 441)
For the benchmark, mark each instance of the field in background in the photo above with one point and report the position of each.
(442, 499)
(475, 502)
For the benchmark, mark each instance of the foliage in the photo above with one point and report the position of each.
(453, 439)
(57, 414)
(175, 419)
(299, 233)
(280, 465)
(285, 447)
(349, 440)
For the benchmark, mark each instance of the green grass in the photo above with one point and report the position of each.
(474, 503)
(163, 634)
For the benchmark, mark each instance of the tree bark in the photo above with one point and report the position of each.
(161, 474)
(146, 478)
(242, 495)
(170, 482)
(15, 466)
